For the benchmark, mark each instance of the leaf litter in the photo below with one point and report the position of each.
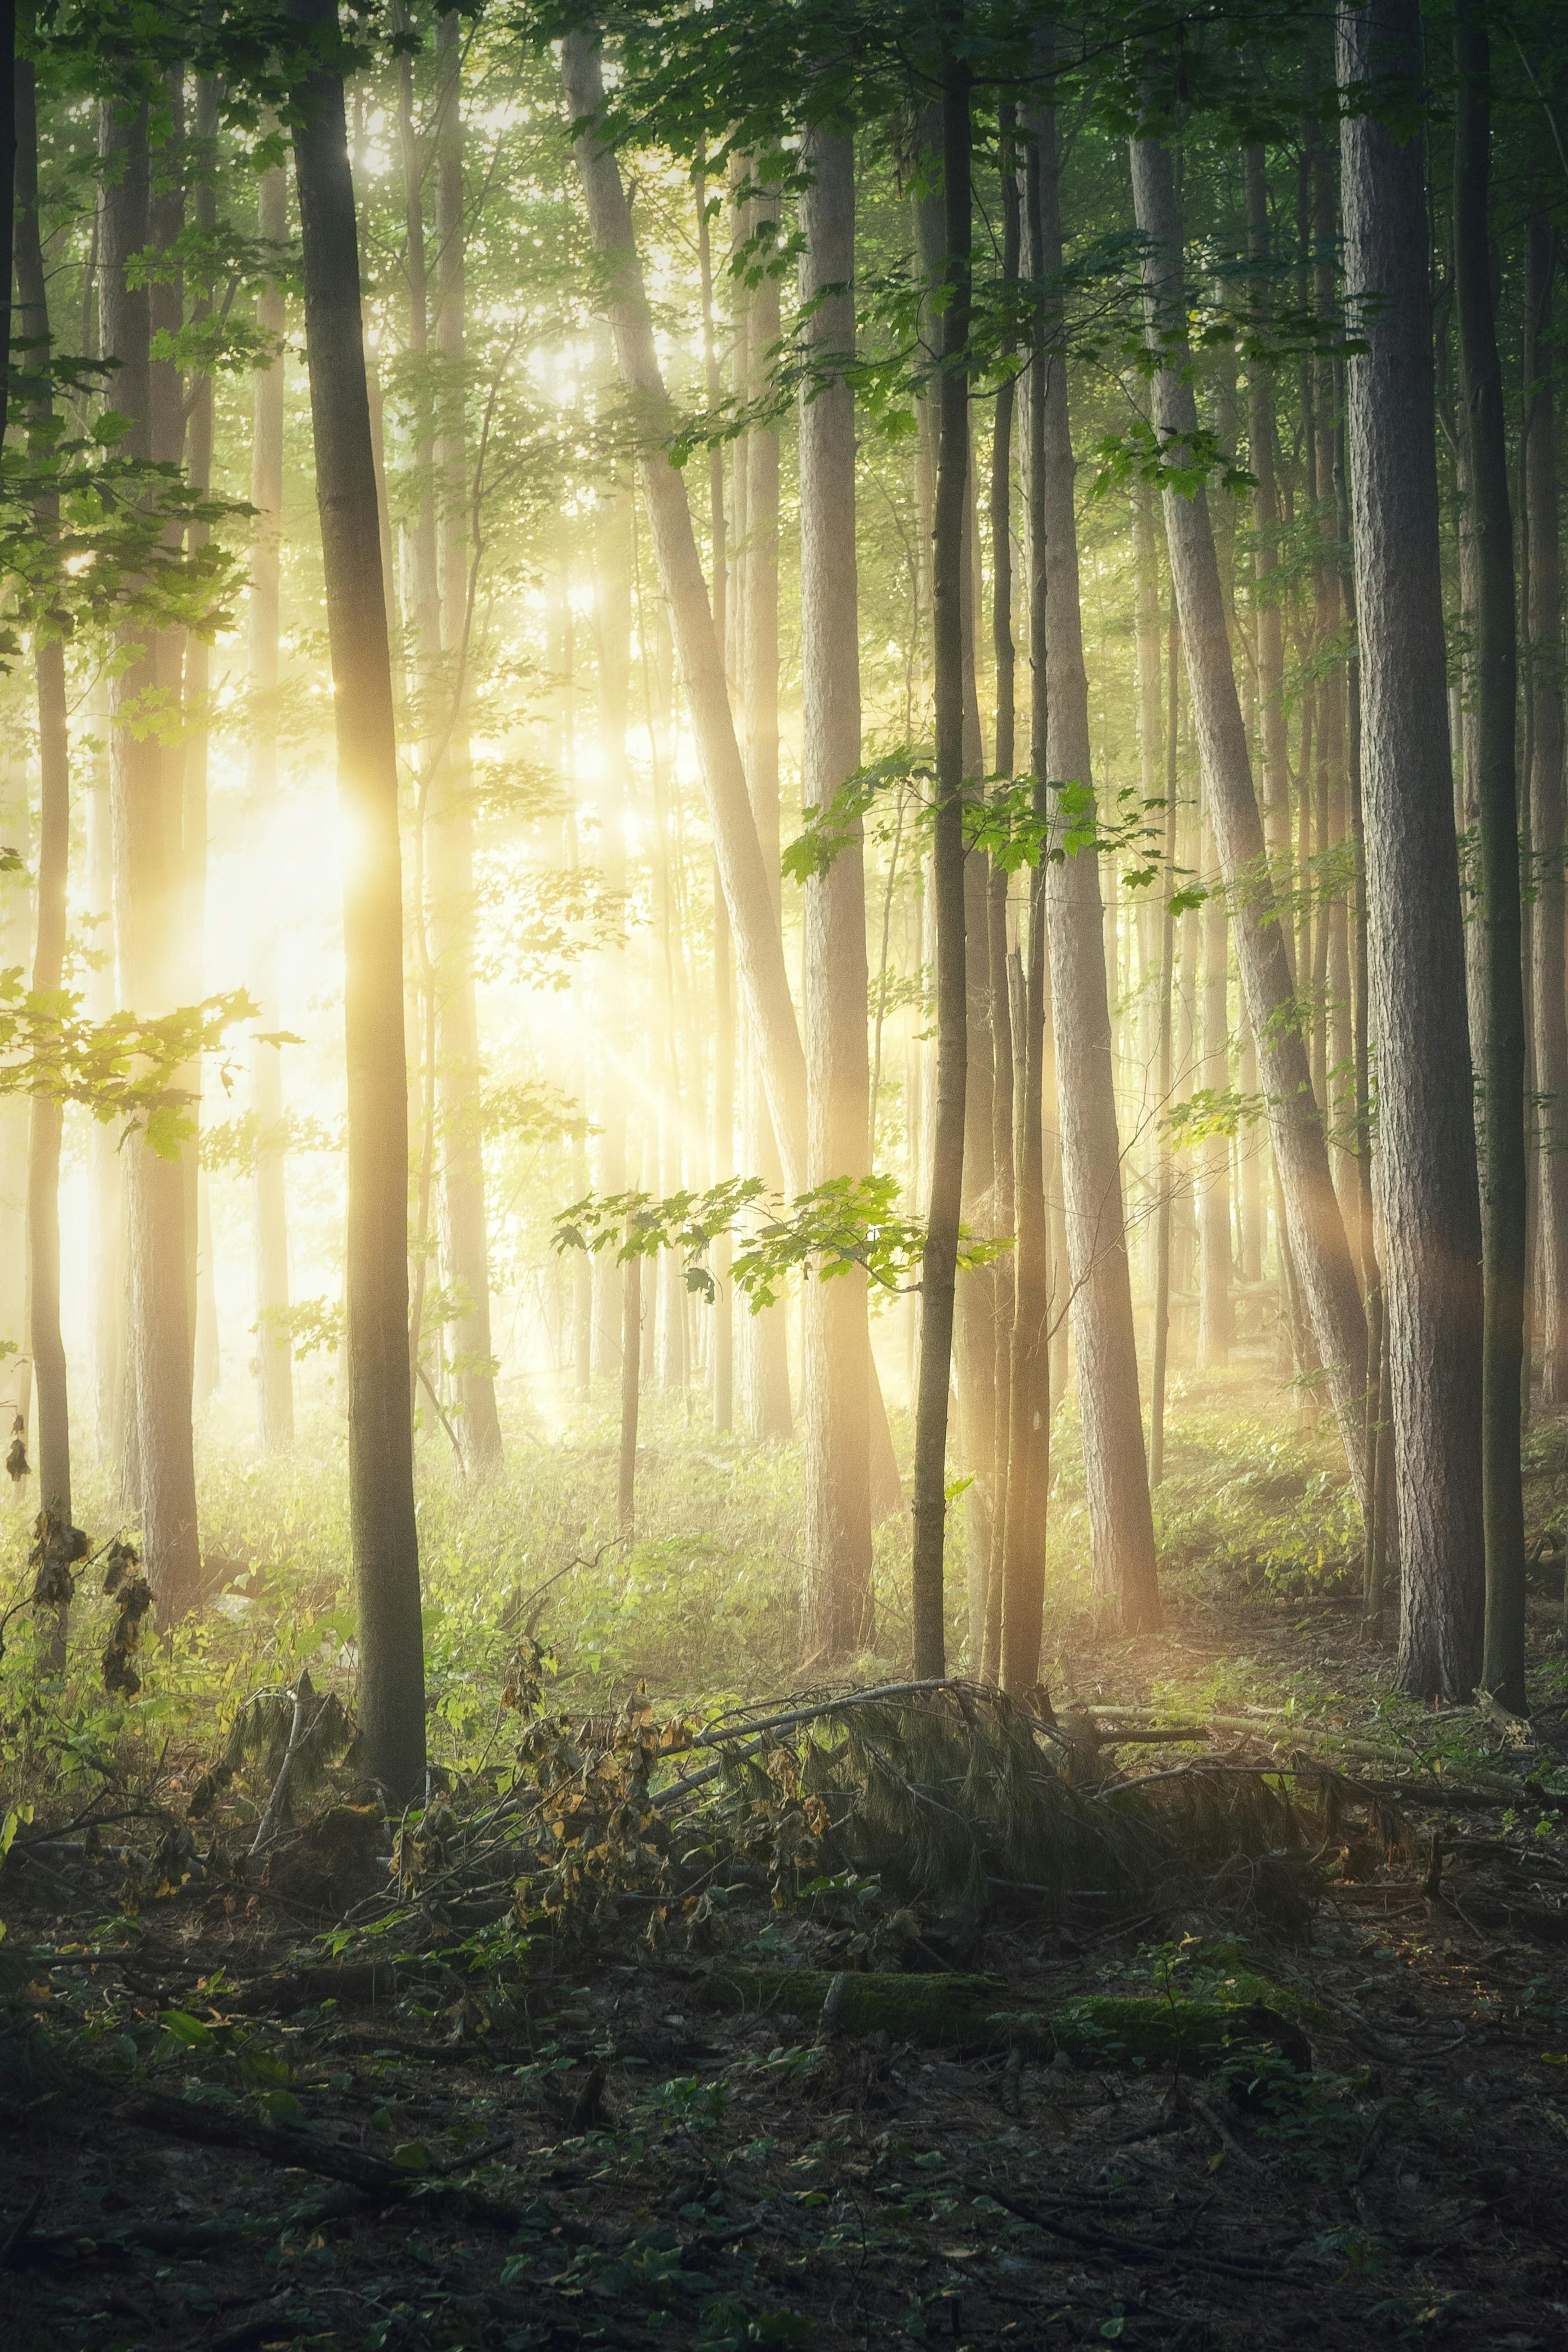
(900, 2016)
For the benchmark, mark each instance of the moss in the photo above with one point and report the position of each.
(968, 2013)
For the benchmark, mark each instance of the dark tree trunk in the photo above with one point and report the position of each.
(835, 1606)
(1314, 1229)
(1425, 1163)
(1503, 1198)
(54, 1461)
(939, 1259)
(147, 895)
(381, 1452)
(1019, 1604)
(1547, 940)
(1266, 525)
(274, 1354)
(1115, 1467)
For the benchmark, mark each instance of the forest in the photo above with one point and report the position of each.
(783, 1175)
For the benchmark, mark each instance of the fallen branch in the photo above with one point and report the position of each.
(304, 2151)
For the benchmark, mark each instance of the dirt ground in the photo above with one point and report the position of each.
(593, 2150)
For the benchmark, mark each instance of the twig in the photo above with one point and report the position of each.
(304, 1690)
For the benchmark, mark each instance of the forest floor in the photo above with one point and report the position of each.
(231, 2139)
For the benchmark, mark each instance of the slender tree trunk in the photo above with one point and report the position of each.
(274, 1354)
(452, 827)
(759, 951)
(197, 683)
(1265, 526)
(1018, 1606)
(1115, 1467)
(1504, 1194)
(1315, 1229)
(835, 1608)
(631, 1387)
(1424, 1162)
(45, 1120)
(146, 922)
(1214, 1308)
(108, 1250)
(383, 1531)
(1546, 782)
(613, 573)
(939, 1258)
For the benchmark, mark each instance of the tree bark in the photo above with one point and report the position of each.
(1260, 432)
(836, 1609)
(1425, 1163)
(147, 895)
(1547, 941)
(613, 576)
(452, 827)
(1115, 1466)
(1315, 1230)
(939, 1258)
(45, 1118)
(759, 951)
(1504, 1192)
(382, 1530)
(274, 1354)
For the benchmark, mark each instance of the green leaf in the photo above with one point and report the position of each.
(411, 2156)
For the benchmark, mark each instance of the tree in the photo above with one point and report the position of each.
(383, 1529)
(837, 1586)
(451, 851)
(274, 1353)
(759, 953)
(1548, 941)
(1315, 1230)
(938, 1267)
(1425, 1160)
(46, 1115)
(161, 1468)
(1503, 1201)
(1116, 1469)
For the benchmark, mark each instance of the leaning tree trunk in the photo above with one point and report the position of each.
(1314, 1228)
(1547, 937)
(758, 951)
(1115, 1466)
(147, 898)
(274, 1353)
(940, 1257)
(381, 1524)
(451, 833)
(836, 1618)
(1504, 1192)
(1425, 1162)
(53, 1462)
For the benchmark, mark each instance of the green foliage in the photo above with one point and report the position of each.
(847, 1221)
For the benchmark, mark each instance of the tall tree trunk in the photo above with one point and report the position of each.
(197, 685)
(1115, 1467)
(107, 1260)
(274, 1354)
(1214, 1310)
(382, 1530)
(1504, 1192)
(452, 828)
(939, 1258)
(1547, 940)
(1315, 1230)
(1261, 453)
(765, 1337)
(613, 576)
(1425, 1163)
(1019, 1605)
(759, 951)
(147, 928)
(44, 1120)
(836, 1607)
